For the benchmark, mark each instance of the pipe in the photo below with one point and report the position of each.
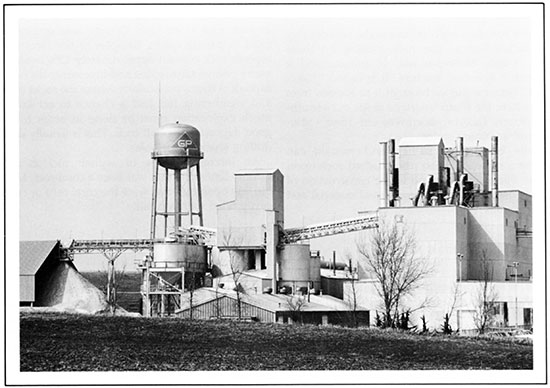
(391, 171)
(334, 262)
(383, 174)
(494, 169)
(460, 157)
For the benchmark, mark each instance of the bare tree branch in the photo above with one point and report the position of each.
(390, 256)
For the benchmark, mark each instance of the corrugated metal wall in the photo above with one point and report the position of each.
(227, 308)
(26, 288)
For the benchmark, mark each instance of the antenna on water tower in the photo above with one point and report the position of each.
(159, 105)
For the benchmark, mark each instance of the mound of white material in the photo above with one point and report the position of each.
(67, 290)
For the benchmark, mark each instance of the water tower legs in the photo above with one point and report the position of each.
(177, 199)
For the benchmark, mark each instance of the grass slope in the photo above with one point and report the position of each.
(61, 342)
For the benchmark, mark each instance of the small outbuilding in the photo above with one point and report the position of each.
(37, 262)
(211, 303)
(49, 280)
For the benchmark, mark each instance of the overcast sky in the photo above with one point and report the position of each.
(310, 96)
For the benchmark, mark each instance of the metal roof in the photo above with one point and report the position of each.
(32, 254)
(269, 302)
(420, 141)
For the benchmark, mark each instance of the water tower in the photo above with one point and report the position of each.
(178, 262)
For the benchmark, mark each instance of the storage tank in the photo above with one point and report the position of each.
(315, 272)
(177, 255)
(177, 146)
(294, 267)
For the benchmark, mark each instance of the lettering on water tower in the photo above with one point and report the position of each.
(185, 142)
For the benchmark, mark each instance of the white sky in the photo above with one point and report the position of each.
(310, 90)
(311, 96)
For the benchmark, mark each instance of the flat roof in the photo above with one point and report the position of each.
(258, 172)
(420, 141)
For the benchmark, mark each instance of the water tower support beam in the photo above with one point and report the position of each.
(199, 189)
(166, 202)
(177, 198)
(154, 199)
(190, 193)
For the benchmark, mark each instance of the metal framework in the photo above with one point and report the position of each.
(328, 229)
(110, 247)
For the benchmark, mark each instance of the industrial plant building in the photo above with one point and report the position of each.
(449, 197)
(471, 232)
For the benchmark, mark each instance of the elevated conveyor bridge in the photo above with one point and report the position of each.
(112, 248)
(293, 235)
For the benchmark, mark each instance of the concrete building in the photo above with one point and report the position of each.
(462, 224)
(248, 226)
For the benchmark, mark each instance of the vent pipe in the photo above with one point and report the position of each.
(460, 157)
(383, 174)
(494, 169)
(391, 172)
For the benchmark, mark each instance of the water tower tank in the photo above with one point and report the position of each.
(177, 146)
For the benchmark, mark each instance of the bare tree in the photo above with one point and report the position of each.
(295, 305)
(486, 296)
(236, 272)
(456, 298)
(115, 278)
(389, 255)
(352, 296)
(237, 267)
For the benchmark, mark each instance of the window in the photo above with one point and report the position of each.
(506, 221)
(525, 202)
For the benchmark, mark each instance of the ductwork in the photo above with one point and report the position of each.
(494, 170)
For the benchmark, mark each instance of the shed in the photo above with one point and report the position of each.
(37, 260)
(209, 303)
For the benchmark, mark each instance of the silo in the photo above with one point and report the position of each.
(315, 272)
(177, 255)
(294, 269)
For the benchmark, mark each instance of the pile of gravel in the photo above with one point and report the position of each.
(68, 291)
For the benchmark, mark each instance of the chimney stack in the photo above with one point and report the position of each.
(383, 174)
(391, 172)
(460, 157)
(494, 169)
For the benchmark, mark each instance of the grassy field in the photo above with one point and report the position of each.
(61, 342)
